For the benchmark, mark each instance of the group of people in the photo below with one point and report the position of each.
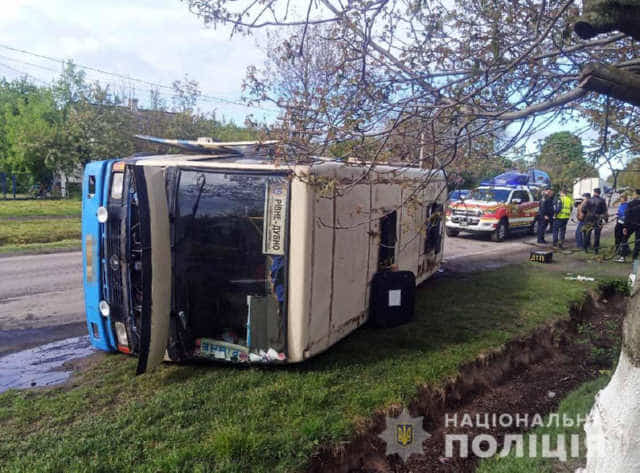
(628, 223)
(591, 214)
(554, 213)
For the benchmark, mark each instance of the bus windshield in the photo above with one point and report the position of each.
(227, 272)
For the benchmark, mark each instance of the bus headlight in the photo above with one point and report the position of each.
(102, 214)
(105, 310)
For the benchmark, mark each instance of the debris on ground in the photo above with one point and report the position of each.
(580, 278)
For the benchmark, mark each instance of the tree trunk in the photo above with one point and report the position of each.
(604, 16)
(613, 426)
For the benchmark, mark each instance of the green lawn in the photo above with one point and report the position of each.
(39, 225)
(233, 419)
(51, 247)
(22, 232)
(40, 208)
(579, 402)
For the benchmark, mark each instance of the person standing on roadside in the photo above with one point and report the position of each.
(545, 214)
(632, 223)
(595, 217)
(562, 212)
(622, 247)
(580, 233)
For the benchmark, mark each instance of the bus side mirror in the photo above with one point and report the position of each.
(516, 201)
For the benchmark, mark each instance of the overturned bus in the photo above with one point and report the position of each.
(236, 258)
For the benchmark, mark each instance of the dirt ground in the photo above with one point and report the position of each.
(517, 380)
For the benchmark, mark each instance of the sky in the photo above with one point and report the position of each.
(155, 40)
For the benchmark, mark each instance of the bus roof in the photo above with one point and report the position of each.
(320, 166)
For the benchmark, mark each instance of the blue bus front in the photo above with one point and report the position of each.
(96, 193)
(176, 265)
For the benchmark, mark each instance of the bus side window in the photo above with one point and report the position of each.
(91, 187)
(433, 236)
(387, 251)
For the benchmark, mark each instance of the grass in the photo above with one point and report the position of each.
(51, 247)
(232, 419)
(578, 402)
(32, 226)
(39, 208)
(24, 232)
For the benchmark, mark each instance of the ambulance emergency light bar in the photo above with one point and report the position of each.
(507, 179)
(534, 178)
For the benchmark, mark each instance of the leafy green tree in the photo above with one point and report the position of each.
(562, 156)
(630, 176)
(11, 95)
(46, 130)
(32, 126)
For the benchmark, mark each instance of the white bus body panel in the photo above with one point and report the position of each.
(334, 242)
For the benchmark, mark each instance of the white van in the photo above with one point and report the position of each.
(583, 186)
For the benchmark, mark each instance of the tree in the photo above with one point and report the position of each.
(31, 126)
(562, 157)
(470, 68)
(47, 130)
(328, 108)
(185, 95)
(11, 94)
(630, 176)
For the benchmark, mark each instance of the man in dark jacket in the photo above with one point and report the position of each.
(632, 222)
(545, 214)
(596, 214)
(580, 232)
(622, 248)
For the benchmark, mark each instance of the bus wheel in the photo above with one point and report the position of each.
(501, 231)
(452, 232)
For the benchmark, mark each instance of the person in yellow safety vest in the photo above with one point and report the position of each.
(562, 212)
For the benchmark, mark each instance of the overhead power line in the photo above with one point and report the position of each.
(17, 71)
(164, 95)
(156, 85)
(39, 66)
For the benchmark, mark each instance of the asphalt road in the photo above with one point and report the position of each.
(41, 296)
(40, 299)
(475, 252)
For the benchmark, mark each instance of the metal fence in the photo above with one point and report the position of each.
(23, 186)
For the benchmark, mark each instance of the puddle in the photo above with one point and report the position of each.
(42, 366)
